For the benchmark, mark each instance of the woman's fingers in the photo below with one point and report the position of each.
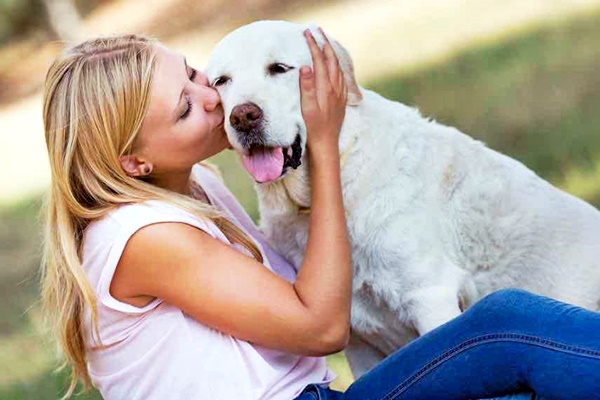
(319, 61)
(327, 80)
(308, 92)
(333, 64)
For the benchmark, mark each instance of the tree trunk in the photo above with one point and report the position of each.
(64, 19)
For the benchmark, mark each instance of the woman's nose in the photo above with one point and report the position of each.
(210, 98)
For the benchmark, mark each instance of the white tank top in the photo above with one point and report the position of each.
(157, 352)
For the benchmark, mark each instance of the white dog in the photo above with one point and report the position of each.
(436, 219)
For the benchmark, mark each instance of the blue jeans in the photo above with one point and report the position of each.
(510, 342)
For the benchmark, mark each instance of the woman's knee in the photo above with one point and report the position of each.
(504, 303)
(506, 297)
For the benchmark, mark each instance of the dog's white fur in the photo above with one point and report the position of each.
(436, 219)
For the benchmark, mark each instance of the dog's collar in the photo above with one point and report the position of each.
(343, 159)
(303, 210)
(344, 154)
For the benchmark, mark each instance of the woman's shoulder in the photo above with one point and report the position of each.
(133, 214)
(105, 239)
(119, 224)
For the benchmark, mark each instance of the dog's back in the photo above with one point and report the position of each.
(487, 213)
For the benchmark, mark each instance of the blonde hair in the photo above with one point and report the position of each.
(96, 95)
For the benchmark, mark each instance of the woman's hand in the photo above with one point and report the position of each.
(324, 96)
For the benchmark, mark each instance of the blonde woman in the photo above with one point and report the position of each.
(158, 285)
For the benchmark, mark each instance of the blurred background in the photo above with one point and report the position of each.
(521, 75)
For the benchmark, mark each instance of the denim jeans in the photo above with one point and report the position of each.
(509, 343)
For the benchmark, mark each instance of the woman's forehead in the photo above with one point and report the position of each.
(168, 57)
(170, 66)
(169, 79)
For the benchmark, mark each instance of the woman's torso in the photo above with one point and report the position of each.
(157, 351)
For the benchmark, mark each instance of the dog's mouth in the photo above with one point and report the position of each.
(267, 164)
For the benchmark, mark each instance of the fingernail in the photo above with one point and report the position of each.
(305, 71)
(307, 32)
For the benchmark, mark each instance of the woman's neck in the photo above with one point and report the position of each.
(177, 182)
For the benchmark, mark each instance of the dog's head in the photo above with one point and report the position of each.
(256, 71)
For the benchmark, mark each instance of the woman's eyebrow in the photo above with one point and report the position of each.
(182, 90)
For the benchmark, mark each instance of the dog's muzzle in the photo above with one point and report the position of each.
(247, 120)
(264, 160)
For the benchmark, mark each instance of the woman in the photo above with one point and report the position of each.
(160, 287)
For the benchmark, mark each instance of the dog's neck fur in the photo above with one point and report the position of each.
(305, 209)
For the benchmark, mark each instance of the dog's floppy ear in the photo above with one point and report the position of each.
(354, 94)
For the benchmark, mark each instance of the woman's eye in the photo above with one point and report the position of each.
(220, 81)
(278, 68)
(187, 110)
(193, 74)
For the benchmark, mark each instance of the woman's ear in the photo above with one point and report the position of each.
(135, 166)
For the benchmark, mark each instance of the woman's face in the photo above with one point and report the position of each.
(184, 121)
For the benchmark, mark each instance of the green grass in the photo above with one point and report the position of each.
(535, 97)
(46, 386)
(19, 261)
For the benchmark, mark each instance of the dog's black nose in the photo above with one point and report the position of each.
(245, 117)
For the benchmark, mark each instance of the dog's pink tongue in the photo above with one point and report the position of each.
(264, 165)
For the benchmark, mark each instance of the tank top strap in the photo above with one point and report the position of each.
(224, 200)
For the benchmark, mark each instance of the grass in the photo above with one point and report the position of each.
(19, 261)
(534, 97)
(46, 386)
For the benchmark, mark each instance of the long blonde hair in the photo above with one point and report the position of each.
(96, 95)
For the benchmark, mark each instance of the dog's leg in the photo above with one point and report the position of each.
(361, 355)
(432, 306)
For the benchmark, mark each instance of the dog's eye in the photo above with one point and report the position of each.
(220, 80)
(278, 68)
